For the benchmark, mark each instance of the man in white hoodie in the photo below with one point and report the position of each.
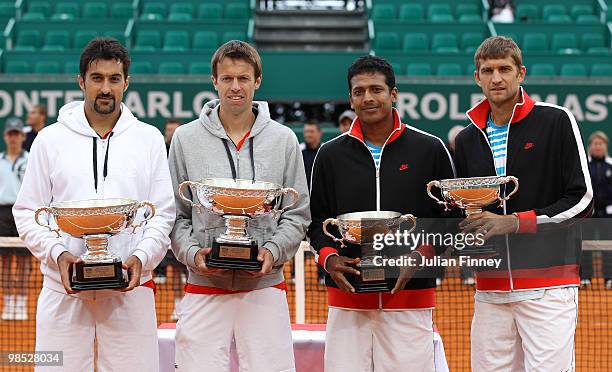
(234, 137)
(98, 149)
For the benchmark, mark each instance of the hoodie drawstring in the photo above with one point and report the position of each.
(95, 160)
(231, 160)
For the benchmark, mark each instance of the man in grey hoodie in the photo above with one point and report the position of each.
(221, 305)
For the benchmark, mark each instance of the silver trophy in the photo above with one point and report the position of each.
(95, 221)
(472, 195)
(359, 228)
(237, 201)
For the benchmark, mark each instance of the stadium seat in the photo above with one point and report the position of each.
(46, 67)
(171, 68)
(205, 40)
(565, 43)
(581, 9)
(438, 9)
(116, 35)
(200, 68)
(466, 9)
(209, 11)
(449, 69)
(386, 41)
(81, 38)
(151, 17)
(415, 42)
(175, 41)
(549, 10)
(601, 70)
(609, 14)
(535, 42)
(559, 18)
(95, 10)
(147, 39)
(57, 40)
(141, 68)
(469, 71)
(66, 11)
(28, 39)
(527, 12)
(599, 51)
(237, 11)
(179, 17)
(233, 35)
(470, 18)
(383, 12)
(17, 67)
(573, 70)
(587, 19)
(42, 7)
(33, 16)
(411, 12)
(470, 41)
(419, 69)
(444, 43)
(442, 18)
(181, 8)
(542, 69)
(155, 8)
(397, 68)
(591, 40)
(7, 10)
(72, 68)
(122, 11)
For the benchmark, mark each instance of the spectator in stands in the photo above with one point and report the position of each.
(501, 11)
(12, 169)
(525, 310)
(170, 127)
(234, 137)
(37, 119)
(310, 146)
(345, 120)
(376, 331)
(600, 168)
(98, 150)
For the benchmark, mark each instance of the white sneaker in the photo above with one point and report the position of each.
(469, 281)
(609, 284)
(585, 282)
(8, 309)
(438, 281)
(21, 309)
(174, 315)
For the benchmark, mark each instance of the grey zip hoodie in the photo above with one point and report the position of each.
(197, 152)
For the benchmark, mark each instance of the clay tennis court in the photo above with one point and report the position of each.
(452, 317)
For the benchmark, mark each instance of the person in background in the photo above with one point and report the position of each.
(501, 11)
(37, 119)
(12, 168)
(170, 127)
(345, 120)
(600, 168)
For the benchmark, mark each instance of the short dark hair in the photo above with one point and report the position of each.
(237, 49)
(105, 48)
(173, 121)
(314, 123)
(370, 64)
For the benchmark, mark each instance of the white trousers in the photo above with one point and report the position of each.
(532, 335)
(124, 325)
(366, 341)
(258, 322)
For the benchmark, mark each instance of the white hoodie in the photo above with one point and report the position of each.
(61, 168)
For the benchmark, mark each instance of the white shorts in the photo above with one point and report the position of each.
(258, 322)
(123, 324)
(532, 335)
(366, 341)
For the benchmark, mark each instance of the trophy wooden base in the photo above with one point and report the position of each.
(234, 256)
(99, 275)
(372, 279)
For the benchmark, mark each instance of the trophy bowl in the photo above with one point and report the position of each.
(359, 228)
(472, 194)
(237, 201)
(95, 221)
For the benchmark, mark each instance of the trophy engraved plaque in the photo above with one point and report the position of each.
(237, 201)
(359, 228)
(472, 195)
(95, 221)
